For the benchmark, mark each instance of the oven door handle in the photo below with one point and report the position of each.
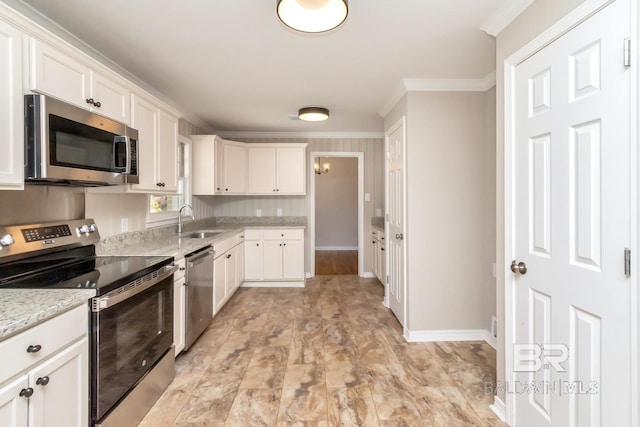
(127, 291)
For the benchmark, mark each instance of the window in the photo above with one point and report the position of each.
(163, 209)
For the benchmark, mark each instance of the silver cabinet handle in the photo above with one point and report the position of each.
(519, 267)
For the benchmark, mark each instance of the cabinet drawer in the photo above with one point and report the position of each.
(252, 234)
(51, 336)
(284, 234)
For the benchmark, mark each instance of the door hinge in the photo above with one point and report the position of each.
(627, 52)
(627, 262)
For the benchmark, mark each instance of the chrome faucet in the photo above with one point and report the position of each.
(193, 217)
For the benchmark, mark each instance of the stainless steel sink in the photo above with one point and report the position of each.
(201, 234)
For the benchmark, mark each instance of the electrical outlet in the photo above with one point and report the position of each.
(279, 212)
(124, 224)
(378, 211)
(258, 212)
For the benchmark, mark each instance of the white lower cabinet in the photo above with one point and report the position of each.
(274, 255)
(179, 308)
(378, 258)
(44, 379)
(226, 270)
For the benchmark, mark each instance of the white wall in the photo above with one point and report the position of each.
(446, 214)
(532, 22)
(337, 204)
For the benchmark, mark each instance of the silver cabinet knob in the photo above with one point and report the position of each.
(399, 236)
(519, 267)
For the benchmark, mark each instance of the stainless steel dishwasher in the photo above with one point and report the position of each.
(199, 293)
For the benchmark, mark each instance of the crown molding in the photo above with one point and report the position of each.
(309, 135)
(438, 85)
(504, 15)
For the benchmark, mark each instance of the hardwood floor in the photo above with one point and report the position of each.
(336, 262)
(328, 354)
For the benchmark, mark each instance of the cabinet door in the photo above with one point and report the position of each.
(179, 311)
(253, 260)
(262, 170)
(374, 257)
(144, 117)
(292, 259)
(61, 389)
(167, 152)
(59, 75)
(291, 177)
(240, 263)
(204, 166)
(235, 169)
(11, 109)
(13, 407)
(114, 99)
(219, 282)
(232, 271)
(272, 260)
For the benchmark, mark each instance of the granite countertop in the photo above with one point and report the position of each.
(172, 245)
(22, 309)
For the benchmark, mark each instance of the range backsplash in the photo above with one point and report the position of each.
(41, 203)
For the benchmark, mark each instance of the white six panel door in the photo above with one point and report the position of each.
(395, 211)
(572, 225)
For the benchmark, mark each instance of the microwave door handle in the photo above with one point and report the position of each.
(127, 152)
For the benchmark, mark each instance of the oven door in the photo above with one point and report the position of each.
(132, 329)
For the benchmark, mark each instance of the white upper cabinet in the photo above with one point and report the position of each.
(157, 147)
(11, 109)
(207, 164)
(234, 156)
(291, 170)
(262, 170)
(277, 170)
(57, 74)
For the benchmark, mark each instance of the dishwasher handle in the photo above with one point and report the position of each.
(199, 257)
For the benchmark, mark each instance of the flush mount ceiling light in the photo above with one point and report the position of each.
(313, 114)
(312, 16)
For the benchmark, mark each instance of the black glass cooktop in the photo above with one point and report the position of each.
(79, 269)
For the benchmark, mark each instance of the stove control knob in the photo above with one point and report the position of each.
(6, 240)
(83, 230)
(93, 228)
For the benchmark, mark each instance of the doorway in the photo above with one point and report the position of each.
(336, 223)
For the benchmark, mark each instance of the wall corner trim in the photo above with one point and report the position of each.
(504, 15)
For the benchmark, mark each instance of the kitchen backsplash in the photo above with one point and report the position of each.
(41, 203)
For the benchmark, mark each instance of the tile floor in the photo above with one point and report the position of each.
(326, 355)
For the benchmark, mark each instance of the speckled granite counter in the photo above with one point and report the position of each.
(165, 242)
(21, 309)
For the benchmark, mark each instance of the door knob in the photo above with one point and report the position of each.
(519, 267)
(399, 236)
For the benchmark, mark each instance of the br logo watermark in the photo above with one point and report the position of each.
(534, 357)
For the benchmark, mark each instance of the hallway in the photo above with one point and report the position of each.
(326, 355)
(338, 263)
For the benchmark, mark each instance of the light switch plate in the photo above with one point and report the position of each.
(279, 212)
(367, 197)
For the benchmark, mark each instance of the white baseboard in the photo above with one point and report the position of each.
(272, 284)
(368, 275)
(499, 408)
(450, 335)
(336, 248)
(308, 275)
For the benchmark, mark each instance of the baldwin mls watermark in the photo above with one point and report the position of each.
(541, 357)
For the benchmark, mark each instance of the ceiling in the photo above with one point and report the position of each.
(232, 66)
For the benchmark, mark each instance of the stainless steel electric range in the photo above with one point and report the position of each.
(131, 321)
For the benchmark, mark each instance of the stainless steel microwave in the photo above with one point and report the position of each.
(65, 144)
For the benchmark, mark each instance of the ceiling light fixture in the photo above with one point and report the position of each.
(313, 114)
(312, 16)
